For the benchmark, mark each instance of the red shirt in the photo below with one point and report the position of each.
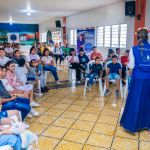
(94, 55)
(124, 59)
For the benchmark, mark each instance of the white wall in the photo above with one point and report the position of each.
(107, 15)
(148, 14)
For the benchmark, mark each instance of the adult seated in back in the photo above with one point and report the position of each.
(124, 61)
(3, 58)
(74, 64)
(9, 50)
(118, 52)
(95, 54)
(66, 50)
(83, 58)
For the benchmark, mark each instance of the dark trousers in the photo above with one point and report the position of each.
(21, 104)
(58, 57)
(78, 68)
(123, 72)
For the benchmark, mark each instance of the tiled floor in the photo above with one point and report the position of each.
(71, 121)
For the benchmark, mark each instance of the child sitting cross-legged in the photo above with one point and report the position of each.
(113, 72)
(95, 71)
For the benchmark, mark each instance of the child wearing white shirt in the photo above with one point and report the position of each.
(3, 58)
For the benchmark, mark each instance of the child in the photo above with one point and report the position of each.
(113, 72)
(95, 71)
(35, 75)
(95, 54)
(58, 53)
(17, 85)
(48, 64)
(9, 50)
(74, 64)
(3, 58)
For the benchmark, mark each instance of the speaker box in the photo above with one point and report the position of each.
(130, 8)
(58, 23)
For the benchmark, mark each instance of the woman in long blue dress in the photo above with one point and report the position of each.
(136, 115)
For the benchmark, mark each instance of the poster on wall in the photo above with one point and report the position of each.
(13, 37)
(27, 38)
(86, 39)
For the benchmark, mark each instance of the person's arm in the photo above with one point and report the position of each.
(131, 60)
(5, 100)
(107, 71)
(120, 73)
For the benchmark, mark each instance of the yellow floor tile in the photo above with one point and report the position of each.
(61, 106)
(71, 114)
(66, 101)
(88, 117)
(122, 133)
(124, 144)
(41, 110)
(144, 145)
(37, 128)
(76, 108)
(45, 119)
(110, 112)
(81, 102)
(55, 132)
(96, 104)
(144, 136)
(104, 129)
(108, 120)
(54, 112)
(89, 147)
(83, 125)
(100, 140)
(66, 145)
(64, 122)
(47, 104)
(76, 136)
(53, 99)
(93, 110)
(46, 143)
(85, 98)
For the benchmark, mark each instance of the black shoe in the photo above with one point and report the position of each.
(46, 88)
(43, 90)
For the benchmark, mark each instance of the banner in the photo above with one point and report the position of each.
(86, 39)
(13, 37)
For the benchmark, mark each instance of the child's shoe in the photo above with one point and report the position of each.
(107, 92)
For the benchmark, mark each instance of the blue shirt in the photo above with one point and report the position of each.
(114, 68)
(83, 59)
(96, 68)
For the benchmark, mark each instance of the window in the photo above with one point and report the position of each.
(43, 37)
(115, 36)
(123, 35)
(100, 35)
(73, 37)
(56, 36)
(107, 36)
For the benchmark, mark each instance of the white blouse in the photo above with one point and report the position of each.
(131, 62)
(47, 59)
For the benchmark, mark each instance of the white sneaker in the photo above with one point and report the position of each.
(34, 112)
(58, 82)
(34, 104)
(29, 116)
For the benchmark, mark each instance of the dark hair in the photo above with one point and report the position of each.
(111, 52)
(32, 49)
(21, 62)
(32, 60)
(93, 47)
(81, 49)
(97, 58)
(16, 51)
(1, 67)
(127, 51)
(71, 50)
(114, 56)
(117, 49)
(45, 49)
(1, 49)
(9, 63)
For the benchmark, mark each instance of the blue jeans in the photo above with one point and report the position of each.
(21, 104)
(11, 140)
(53, 70)
(113, 76)
(91, 77)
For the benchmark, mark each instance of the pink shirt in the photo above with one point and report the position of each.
(12, 79)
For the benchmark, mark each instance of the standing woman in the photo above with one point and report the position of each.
(137, 109)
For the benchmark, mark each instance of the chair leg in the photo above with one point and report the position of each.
(121, 89)
(101, 87)
(126, 89)
(104, 88)
(85, 86)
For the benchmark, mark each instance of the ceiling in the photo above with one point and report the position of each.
(42, 10)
